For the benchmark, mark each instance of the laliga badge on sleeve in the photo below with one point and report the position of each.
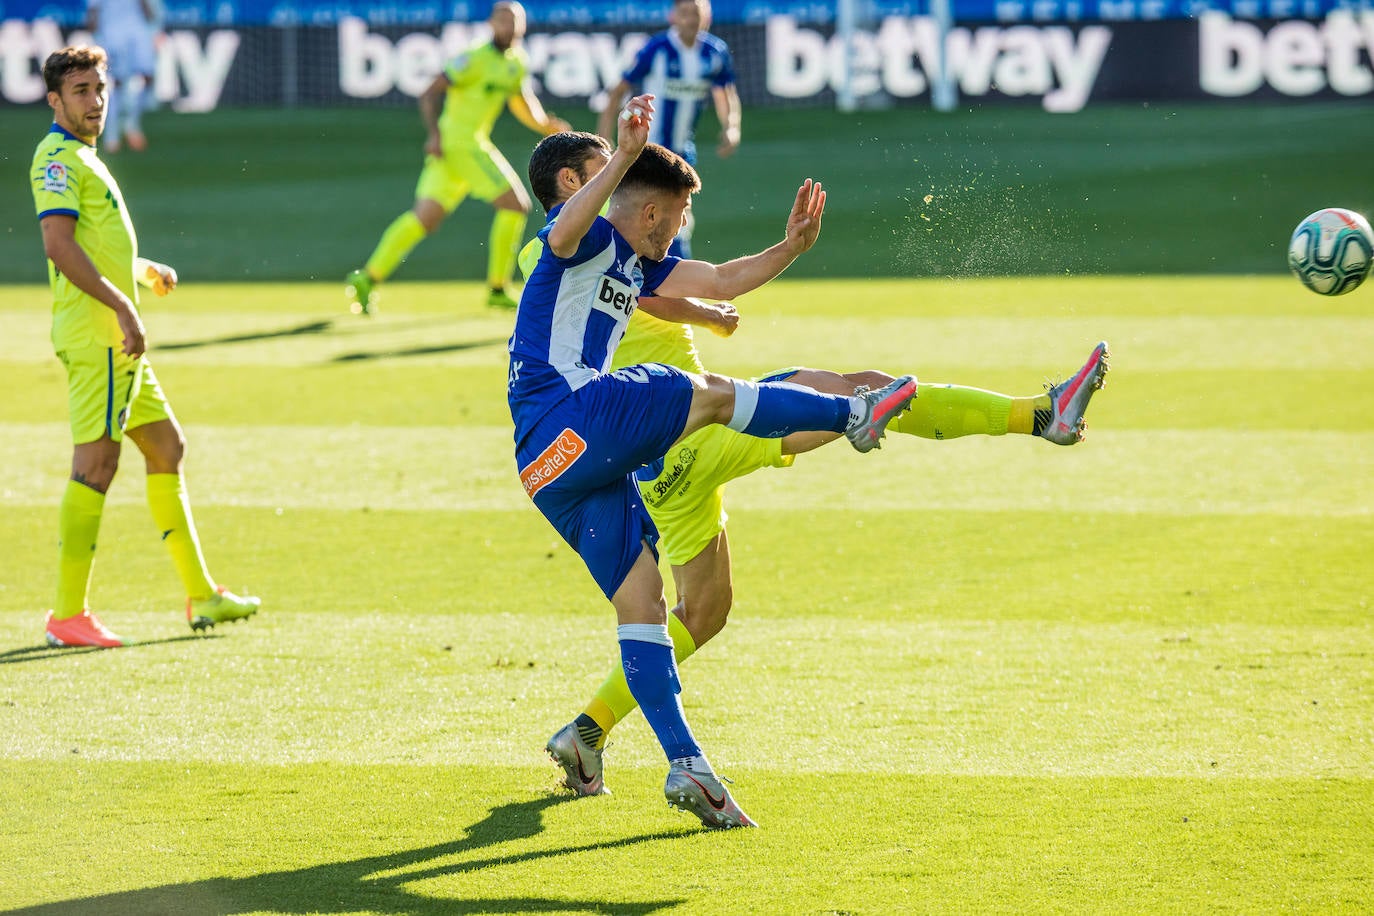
(55, 178)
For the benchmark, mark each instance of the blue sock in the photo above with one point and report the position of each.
(651, 673)
(771, 410)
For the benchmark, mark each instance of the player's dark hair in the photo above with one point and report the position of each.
(70, 59)
(568, 149)
(660, 169)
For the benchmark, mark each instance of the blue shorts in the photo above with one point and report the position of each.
(578, 463)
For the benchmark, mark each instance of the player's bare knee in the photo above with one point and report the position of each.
(168, 456)
(716, 395)
(95, 468)
(430, 213)
(706, 613)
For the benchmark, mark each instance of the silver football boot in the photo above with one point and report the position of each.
(883, 404)
(581, 762)
(1069, 399)
(704, 795)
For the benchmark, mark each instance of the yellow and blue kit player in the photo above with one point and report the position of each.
(459, 109)
(684, 491)
(582, 430)
(94, 269)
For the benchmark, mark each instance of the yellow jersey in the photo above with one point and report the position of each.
(481, 80)
(69, 179)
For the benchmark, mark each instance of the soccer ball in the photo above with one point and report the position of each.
(1331, 251)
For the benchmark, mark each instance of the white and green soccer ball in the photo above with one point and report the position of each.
(1332, 251)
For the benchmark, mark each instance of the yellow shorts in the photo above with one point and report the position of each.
(478, 171)
(109, 392)
(687, 498)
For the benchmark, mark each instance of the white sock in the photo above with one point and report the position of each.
(696, 763)
(746, 402)
(858, 412)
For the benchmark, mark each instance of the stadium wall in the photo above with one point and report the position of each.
(782, 60)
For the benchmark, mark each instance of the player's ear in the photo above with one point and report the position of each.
(568, 178)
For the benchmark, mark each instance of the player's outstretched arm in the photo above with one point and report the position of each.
(59, 242)
(720, 318)
(528, 110)
(735, 278)
(582, 208)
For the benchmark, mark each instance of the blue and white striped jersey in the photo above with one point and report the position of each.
(572, 315)
(681, 80)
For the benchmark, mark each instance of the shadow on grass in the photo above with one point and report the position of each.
(377, 883)
(314, 327)
(40, 653)
(429, 350)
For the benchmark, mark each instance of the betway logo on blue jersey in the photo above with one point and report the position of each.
(615, 298)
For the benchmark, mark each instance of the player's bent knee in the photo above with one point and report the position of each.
(706, 615)
(714, 395)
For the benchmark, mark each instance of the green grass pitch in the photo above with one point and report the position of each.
(980, 675)
(987, 675)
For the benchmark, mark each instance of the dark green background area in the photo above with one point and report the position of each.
(278, 195)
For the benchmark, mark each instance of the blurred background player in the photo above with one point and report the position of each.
(94, 269)
(127, 30)
(685, 491)
(680, 68)
(459, 109)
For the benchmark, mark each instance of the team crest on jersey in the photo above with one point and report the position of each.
(55, 178)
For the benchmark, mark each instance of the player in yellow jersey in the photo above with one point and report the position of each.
(460, 159)
(684, 493)
(95, 270)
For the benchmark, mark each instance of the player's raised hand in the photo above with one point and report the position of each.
(804, 222)
(633, 130)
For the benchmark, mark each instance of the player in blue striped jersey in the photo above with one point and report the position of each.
(581, 430)
(681, 68)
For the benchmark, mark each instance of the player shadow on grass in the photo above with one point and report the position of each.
(313, 327)
(378, 883)
(40, 653)
(428, 350)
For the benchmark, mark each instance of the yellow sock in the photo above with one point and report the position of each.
(951, 411)
(613, 701)
(1029, 415)
(78, 523)
(507, 227)
(398, 241)
(172, 513)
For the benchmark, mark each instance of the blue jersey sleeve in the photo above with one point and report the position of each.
(725, 76)
(643, 61)
(655, 272)
(595, 241)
